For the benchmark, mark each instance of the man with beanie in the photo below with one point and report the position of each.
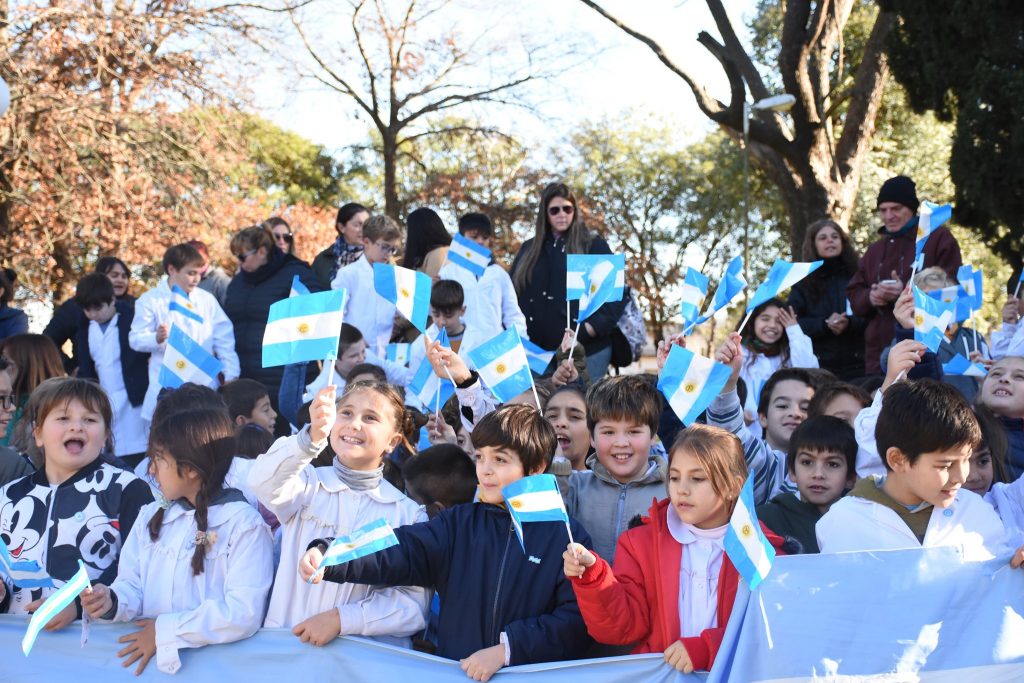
(886, 265)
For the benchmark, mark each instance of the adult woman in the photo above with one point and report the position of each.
(538, 274)
(347, 248)
(282, 234)
(264, 276)
(12, 320)
(426, 242)
(31, 358)
(820, 301)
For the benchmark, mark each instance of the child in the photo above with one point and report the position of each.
(373, 315)
(352, 351)
(490, 301)
(781, 409)
(925, 434)
(1002, 392)
(988, 460)
(771, 340)
(822, 462)
(672, 588)
(333, 501)
(253, 441)
(566, 410)
(154, 317)
(196, 572)
(440, 477)
(75, 507)
(105, 355)
(248, 403)
(500, 605)
(447, 310)
(367, 372)
(839, 399)
(622, 416)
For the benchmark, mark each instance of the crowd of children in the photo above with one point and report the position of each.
(194, 523)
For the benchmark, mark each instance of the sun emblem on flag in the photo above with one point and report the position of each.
(469, 255)
(180, 364)
(746, 530)
(188, 305)
(405, 293)
(593, 288)
(689, 387)
(919, 320)
(500, 368)
(303, 328)
(516, 505)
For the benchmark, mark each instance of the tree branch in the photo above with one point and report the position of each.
(736, 52)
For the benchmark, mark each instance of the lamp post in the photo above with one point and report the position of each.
(774, 103)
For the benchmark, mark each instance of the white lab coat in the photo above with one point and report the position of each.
(105, 348)
(369, 312)
(491, 301)
(1008, 340)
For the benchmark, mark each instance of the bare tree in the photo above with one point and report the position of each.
(817, 164)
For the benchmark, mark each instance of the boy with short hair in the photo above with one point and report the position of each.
(623, 475)
(447, 308)
(106, 356)
(490, 300)
(248, 402)
(203, 320)
(821, 461)
(500, 605)
(371, 313)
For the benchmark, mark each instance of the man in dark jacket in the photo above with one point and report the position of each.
(886, 265)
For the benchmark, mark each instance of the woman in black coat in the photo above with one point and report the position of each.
(820, 303)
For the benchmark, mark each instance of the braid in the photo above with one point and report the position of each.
(202, 512)
(155, 523)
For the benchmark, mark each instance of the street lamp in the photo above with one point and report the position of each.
(774, 103)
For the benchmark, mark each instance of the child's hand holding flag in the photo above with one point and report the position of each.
(322, 414)
(577, 560)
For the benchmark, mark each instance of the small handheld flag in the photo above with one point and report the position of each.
(931, 318)
(695, 289)
(580, 267)
(973, 283)
(745, 544)
(691, 382)
(397, 353)
(956, 296)
(366, 540)
(503, 366)
(603, 283)
(729, 288)
(182, 305)
(298, 289)
(23, 573)
(303, 328)
(849, 308)
(428, 388)
(539, 359)
(781, 277)
(408, 290)
(535, 499)
(185, 360)
(468, 254)
(959, 365)
(423, 442)
(57, 601)
(930, 218)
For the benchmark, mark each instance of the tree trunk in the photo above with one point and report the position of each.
(390, 155)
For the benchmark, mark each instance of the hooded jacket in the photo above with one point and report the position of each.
(12, 321)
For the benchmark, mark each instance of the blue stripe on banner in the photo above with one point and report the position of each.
(176, 307)
(515, 384)
(287, 353)
(384, 282)
(313, 304)
(421, 303)
(57, 601)
(536, 483)
(196, 354)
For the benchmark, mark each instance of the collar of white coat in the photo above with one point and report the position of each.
(687, 533)
(216, 516)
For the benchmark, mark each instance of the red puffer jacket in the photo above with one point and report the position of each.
(638, 602)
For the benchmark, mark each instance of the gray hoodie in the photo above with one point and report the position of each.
(604, 506)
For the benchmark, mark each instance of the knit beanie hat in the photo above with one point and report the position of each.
(901, 190)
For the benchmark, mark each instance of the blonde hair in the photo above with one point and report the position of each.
(720, 454)
(930, 279)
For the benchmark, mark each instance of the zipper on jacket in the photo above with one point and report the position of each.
(620, 509)
(497, 591)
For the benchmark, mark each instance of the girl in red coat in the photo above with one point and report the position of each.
(673, 587)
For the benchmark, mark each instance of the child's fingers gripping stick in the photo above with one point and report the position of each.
(322, 414)
(309, 566)
(1018, 558)
(577, 560)
(96, 600)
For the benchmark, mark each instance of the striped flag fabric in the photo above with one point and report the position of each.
(298, 289)
(849, 308)
(431, 390)
(931, 318)
(958, 365)
(538, 358)
(303, 328)
(408, 290)
(57, 601)
(23, 573)
(745, 543)
(502, 365)
(603, 283)
(366, 540)
(973, 282)
(468, 254)
(397, 353)
(578, 266)
(182, 305)
(185, 360)
(958, 297)
(930, 218)
(729, 289)
(781, 277)
(695, 290)
(534, 499)
(691, 382)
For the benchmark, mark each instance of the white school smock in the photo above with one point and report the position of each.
(223, 604)
(700, 567)
(491, 302)
(314, 503)
(1008, 340)
(105, 349)
(369, 312)
(757, 368)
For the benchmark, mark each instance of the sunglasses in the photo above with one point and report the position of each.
(284, 237)
(565, 208)
(244, 255)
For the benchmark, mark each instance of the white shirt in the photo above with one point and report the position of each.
(491, 301)
(757, 368)
(223, 604)
(472, 337)
(1008, 341)
(369, 312)
(105, 349)
(699, 569)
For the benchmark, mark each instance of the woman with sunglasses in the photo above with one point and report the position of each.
(265, 274)
(538, 273)
(282, 233)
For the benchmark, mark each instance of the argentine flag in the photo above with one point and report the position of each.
(503, 366)
(23, 573)
(538, 358)
(695, 289)
(781, 277)
(745, 544)
(397, 353)
(930, 218)
(303, 328)
(468, 254)
(298, 289)
(959, 365)
(182, 305)
(185, 360)
(603, 283)
(578, 266)
(973, 283)
(691, 382)
(366, 540)
(958, 297)
(57, 601)
(408, 290)
(729, 288)
(534, 499)
(931, 318)
(432, 391)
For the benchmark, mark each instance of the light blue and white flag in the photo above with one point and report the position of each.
(691, 382)
(423, 442)
(930, 218)
(366, 540)
(745, 544)
(397, 353)
(503, 366)
(432, 391)
(182, 305)
(729, 289)
(579, 269)
(603, 283)
(298, 289)
(931, 318)
(973, 282)
(538, 358)
(408, 290)
(303, 328)
(23, 573)
(534, 499)
(959, 365)
(781, 277)
(185, 360)
(52, 606)
(695, 290)
(468, 254)
(956, 295)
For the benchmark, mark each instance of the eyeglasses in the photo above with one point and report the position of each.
(7, 402)
(388, 249)
(283, 237)
(246, 254)
(565, 208)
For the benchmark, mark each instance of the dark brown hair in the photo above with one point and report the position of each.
(37, 359)
(577, 237)
(521, 429)
(51, 394)
(829, 392)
